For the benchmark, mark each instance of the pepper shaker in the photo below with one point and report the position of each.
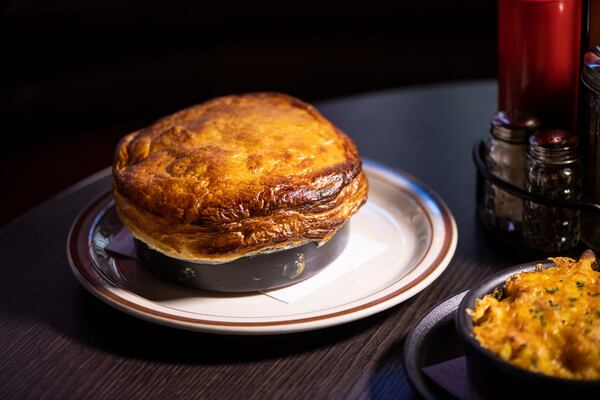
(553, 170)
(506, 158)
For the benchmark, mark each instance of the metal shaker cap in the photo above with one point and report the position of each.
(554, 146)
(591, 68)
(514, 126)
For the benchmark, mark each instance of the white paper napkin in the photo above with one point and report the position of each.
(358, 251)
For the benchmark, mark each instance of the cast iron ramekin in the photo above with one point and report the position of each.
(247, 274)
(495, 378)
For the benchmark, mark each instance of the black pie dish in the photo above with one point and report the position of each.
(495, 378)
(247, 274)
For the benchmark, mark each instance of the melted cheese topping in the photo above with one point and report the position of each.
(547, 321)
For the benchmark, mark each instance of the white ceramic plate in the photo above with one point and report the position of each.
(416, 227)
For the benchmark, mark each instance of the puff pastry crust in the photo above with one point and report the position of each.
(235, 176)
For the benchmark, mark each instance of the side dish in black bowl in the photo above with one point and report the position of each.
(496, 373)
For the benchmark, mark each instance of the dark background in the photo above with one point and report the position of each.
(78, 75)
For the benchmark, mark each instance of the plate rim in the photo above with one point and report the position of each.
(80, 263)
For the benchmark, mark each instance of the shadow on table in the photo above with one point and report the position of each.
(390, 375)
(389, 378)
(98, 325)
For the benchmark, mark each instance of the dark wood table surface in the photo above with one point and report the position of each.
(57, 341)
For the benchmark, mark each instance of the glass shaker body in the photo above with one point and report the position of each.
(507, 161)
(552, 229)
(506, 158)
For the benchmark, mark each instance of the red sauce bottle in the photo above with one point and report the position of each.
(539, 55)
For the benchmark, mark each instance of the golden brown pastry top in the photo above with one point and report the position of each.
(247, 172)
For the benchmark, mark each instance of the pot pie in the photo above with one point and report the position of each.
(237, 176)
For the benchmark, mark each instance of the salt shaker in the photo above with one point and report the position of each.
(553, 170)
(590, 225)
(506, 157)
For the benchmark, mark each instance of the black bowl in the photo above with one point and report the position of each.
(247, 274)
(495, 378)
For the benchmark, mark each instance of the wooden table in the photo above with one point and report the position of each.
(57, 341)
